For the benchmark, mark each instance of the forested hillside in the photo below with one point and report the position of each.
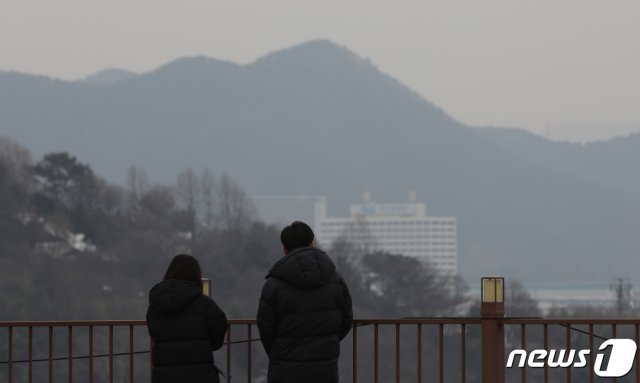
(73, 246)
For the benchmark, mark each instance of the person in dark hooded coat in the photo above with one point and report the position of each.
(304, 312)
(185, 325)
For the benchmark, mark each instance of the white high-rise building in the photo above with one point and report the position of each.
(398, 228)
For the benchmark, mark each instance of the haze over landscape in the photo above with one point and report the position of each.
(317, 119)
(428, 144)
(565, 70)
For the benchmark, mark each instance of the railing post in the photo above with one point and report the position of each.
(492, 309)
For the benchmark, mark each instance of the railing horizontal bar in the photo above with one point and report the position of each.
(415, 321)
(568, 321)
(99, 323)
(367, 321)
(75, 323)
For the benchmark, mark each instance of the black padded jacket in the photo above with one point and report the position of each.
(304, 312)
(186, 326)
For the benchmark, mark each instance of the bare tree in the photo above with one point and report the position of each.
(207, 189)
(359, 234)
(236, 211)
(137, 185)
(519, 302)
(17, 159)
(187, 190)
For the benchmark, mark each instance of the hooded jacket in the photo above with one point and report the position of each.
(186, 326)
(304, 312)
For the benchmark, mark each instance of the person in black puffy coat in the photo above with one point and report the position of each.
(304, 312)
(185, 325)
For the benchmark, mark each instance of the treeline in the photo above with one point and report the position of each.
(73, 246)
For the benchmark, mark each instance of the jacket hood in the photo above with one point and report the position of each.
(306, 268)
(173, 294)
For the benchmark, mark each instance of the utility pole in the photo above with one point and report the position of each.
(622, 290)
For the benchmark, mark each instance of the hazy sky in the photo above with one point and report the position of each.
(571, 67)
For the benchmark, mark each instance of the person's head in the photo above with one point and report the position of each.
(186, 268)
(296, 235)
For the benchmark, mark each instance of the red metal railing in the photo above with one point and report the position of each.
(82, 340)
(71, 329)
(377, 350)
(411, 367)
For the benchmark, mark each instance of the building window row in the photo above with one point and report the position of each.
(426, 243)
(390, 223)
(387, 236)
(385, 230)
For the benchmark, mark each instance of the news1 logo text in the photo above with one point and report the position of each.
(621, 354)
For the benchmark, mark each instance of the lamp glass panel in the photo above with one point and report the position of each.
(493, 290)
(206, 287)
(499, 290)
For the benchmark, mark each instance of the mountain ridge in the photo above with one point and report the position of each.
(325, 123)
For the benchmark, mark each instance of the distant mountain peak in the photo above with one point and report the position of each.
(109, 76)
(194, 66)
(319, 44)
(198, 61)
(318, 51)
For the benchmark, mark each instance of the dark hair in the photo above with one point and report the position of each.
(186, 268)
(296, 235)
